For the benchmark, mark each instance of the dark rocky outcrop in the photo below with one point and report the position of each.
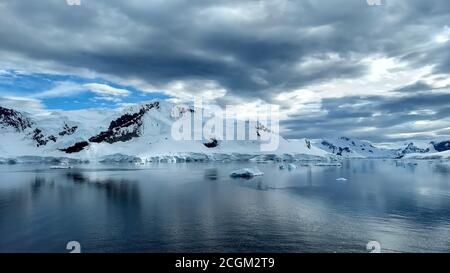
(410, 149)
(212, 143)
(77, 147)
(68, 130)
(441, 146)
(330, 146)
(308, 143)
(335, 149)
(260, 127)
(345, 149)
(40, 139)
(125, 127)
(14, 119)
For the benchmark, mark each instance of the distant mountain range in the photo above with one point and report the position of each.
(354, 148)
(142, 133)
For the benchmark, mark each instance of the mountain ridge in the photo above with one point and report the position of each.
(144, 131)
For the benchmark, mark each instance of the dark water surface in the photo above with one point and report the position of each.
(198, 208)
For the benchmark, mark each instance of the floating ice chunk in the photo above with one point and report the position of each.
(341, 179)
(60, 167)
(337, 164)
(291, 167)
(247, 173)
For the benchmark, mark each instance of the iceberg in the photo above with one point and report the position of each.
(247, 173)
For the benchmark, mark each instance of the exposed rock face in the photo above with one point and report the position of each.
(14, 119)
(124, 128)
(212, 144)
(308, 143)
(330, 146)
(412, 149)
(441, 146)
(68, 130)
(336, 150)
(77, 147)
(260, 127)
(40, 139)
(345, 149)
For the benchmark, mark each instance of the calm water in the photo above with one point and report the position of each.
(199, 208)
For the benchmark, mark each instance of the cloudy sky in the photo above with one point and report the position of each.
(380, 73)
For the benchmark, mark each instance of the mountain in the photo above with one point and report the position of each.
(142, 132)
(11, 119)
(435, 150)
(354, 148)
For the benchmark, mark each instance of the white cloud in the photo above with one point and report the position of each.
(62, 89)
(104, 89)
(443, 36)
(384, 75)
(68, 89)
(105, 98)
(22, 104)
(186, 91)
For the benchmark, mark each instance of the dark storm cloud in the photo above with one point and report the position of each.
(344, 116)
(173, 40)
(416, 87)
(254, 49)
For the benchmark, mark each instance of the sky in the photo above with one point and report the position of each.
(335, 67)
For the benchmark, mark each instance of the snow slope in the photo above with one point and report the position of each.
(354, 148)
(143, 133)
(435, 155)
(138, 133)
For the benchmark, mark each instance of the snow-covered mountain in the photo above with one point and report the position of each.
(141, 132)
(353, 148)
(432, 150)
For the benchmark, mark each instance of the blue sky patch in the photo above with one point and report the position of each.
(68, 92)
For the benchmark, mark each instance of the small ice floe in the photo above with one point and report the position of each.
(247, 173)
(62, 165)
(341, 179)
(289, 166)
(336, 164)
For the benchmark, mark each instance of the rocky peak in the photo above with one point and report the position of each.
(441, 146)
(14, 119)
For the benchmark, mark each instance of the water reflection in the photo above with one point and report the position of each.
(211, 174)
(442, 168)
(256, 183)
(124, 191)
(198, 207)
